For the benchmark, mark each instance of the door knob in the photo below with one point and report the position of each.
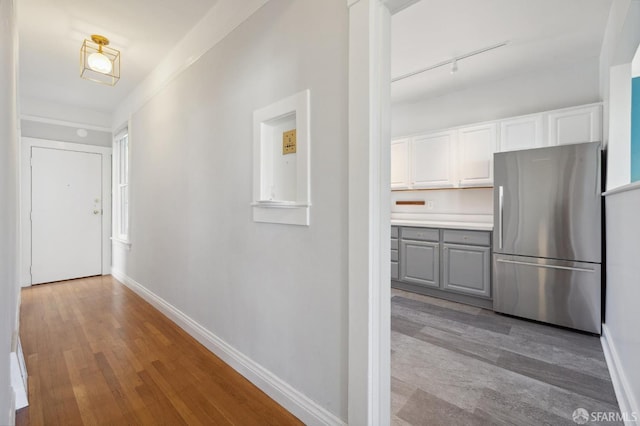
(96, 212)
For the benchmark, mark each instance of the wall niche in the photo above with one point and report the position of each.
(281, 189)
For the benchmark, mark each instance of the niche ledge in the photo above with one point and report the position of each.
(281, 188)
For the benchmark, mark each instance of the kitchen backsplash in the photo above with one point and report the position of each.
(455, 205)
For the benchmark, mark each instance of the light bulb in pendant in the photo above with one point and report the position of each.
(99, 62)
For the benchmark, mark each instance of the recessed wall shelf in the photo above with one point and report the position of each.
(281, 135)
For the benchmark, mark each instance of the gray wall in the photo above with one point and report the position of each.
(522, 94)
(9, 197)
(276, 293)
(57, 132)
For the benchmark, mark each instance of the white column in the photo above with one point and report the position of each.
(369, 213)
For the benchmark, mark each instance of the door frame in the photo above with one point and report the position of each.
(369, 394)
(26, 143)
(369, 391)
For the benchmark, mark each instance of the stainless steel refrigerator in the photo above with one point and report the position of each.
(548, 235)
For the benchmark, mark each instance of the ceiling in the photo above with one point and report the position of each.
(51, 33)
(541, 34)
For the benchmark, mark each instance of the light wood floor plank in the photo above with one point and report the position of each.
(97, 353)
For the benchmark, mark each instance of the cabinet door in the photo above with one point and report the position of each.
(432, 160)
(521, 133)
(575, 125)
(476, 145)
(466, 269)
(420, 263)
(400, 164)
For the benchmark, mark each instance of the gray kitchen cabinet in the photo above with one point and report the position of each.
(420, 262)
(452, 264)
(467, 237)
(394, 232)
(394, 271)
(421, 234)
(394, 253)
(466, 269)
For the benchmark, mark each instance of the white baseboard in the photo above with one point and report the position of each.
(624, 393)
(12, 407)
(18, 381)
(293, 400)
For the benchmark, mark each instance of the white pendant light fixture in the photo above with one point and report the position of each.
(98, 62)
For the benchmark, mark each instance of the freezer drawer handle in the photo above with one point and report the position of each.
(566, 268)
(500, 208)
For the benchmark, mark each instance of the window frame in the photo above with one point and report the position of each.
(121, 230)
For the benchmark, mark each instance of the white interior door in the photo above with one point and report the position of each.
(66, 214)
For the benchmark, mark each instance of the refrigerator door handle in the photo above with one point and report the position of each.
(500, 208)
(538, 265)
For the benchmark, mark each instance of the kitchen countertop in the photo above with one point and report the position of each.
(476, 226)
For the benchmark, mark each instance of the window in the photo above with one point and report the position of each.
(121, 187)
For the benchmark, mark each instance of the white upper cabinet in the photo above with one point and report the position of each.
(400, 164)
(432, 159)
(575, 125)
(463, 156)
(476, 145)
(521, 133)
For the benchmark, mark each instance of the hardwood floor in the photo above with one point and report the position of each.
(97, 353)
(453, 364)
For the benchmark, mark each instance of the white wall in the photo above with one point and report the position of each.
(619, 126)
(451, 205)
(619, 45)
(623, 294)
(615, 22)
(220, 20)
(276, 293)
(622, 315)
(522, 94)
(9, 197)
(30, 107)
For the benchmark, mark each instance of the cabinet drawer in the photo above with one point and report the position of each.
(420, 234)
(394, 244)
(477, 238)
(394, 255)
(394, 232)
(394, 271)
